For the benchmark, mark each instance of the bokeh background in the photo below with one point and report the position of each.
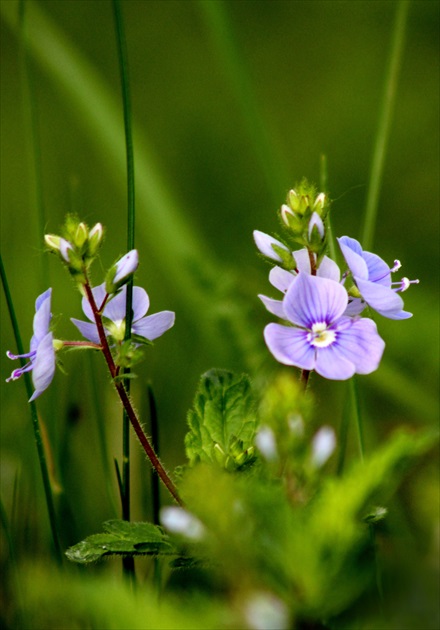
(233, 102)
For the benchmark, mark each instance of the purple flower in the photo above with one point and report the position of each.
(373, 279)
(322, 338)
(282, 279)
(42, 352)
(149, 327)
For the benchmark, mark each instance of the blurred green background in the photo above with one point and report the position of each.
(233, 102)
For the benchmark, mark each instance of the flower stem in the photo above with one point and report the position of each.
(155, 462)
(35, 423)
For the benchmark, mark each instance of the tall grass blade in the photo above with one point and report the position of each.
(385, 120)
(128, 563)
(234, 66)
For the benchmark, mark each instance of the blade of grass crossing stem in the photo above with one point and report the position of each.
(385, 119)
(128, 563)
(35, 421)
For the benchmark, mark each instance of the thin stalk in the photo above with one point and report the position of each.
(35, 422)
(385, 119)
(128, 563)
(31, 123)
(154, 427)
(356, 411)
(126, 402)
(323, 183)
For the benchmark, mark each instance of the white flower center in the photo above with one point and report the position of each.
(116, 329)
(320, 336)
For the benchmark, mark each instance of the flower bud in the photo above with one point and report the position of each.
(52, 241)
(81, 235)
(316, 228)
(65, 246)
(121, 271)
(319, 202)
(95, 238)
(268, 246)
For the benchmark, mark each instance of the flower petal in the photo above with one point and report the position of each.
(329, 269)
(378, 270)
(154, 326)
(360, 344)
(311, 300)
(88, 330)
(382, 299)
(290, 346)
(42, 318)
(141, 303)
(273, 306)
(281, 279)
(43, 366)
(99, 294)
(330, 363)
(352, 252)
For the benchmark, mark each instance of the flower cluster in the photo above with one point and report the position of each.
(104, 306)
(323, 329)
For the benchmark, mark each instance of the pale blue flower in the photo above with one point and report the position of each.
(322, 338)
(42, 353)
(281, 279)
(373, 279)
(150, 327)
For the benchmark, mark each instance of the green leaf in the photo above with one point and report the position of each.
(121, 537)
(223, 421)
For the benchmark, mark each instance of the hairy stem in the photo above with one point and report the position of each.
(155, 462)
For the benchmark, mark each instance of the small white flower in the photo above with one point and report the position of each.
(266, 443)
(264, 611)
(323, 445)
(179, 521)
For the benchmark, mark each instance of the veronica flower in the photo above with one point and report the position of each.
(282, 279)
(149, 327)
(42, 353)
(373, 279)
(322, 338)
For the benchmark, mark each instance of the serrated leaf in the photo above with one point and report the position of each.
(122, 537)
(222, 419)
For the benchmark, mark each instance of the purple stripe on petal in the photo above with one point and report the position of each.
(384, 300)
(290, 346)
(313, 300)
(153, 326)
(362, 345)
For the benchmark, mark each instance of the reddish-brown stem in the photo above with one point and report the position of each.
(114, 370)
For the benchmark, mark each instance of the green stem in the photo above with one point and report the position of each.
(128, 563)
(384, 128)
(35, 422)
(356, 410)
